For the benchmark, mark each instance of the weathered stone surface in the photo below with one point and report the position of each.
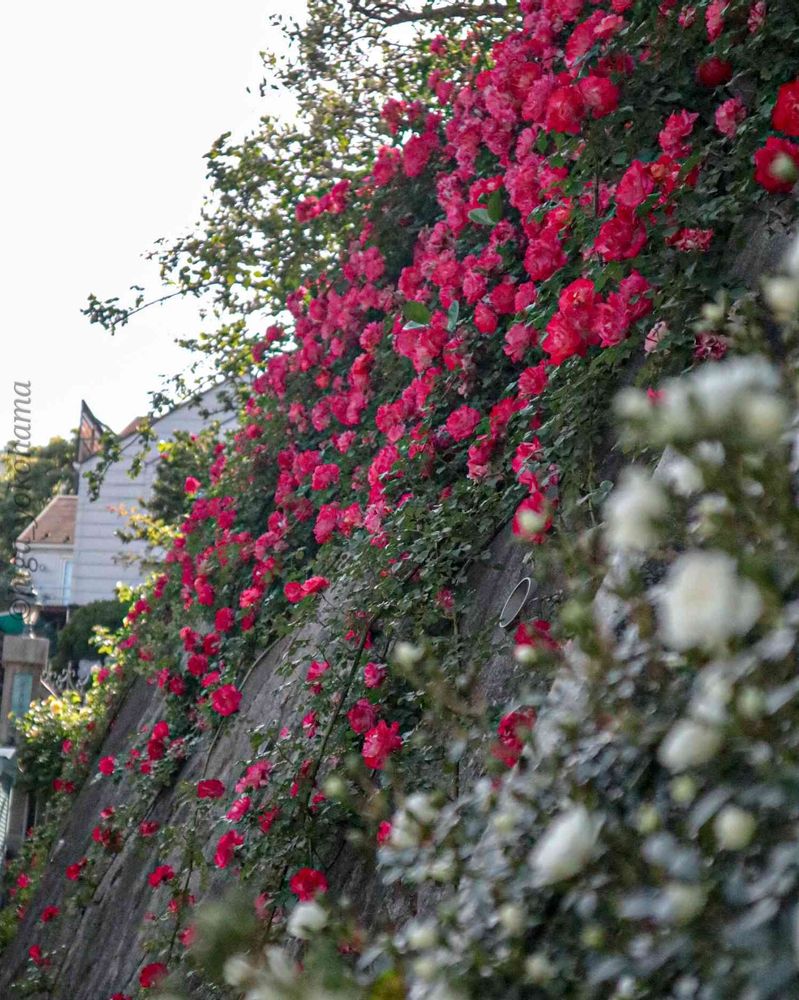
(102, 947)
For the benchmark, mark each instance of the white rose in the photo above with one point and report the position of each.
(539, 969)
(421, 935)
(632, 404)
(683, 475)
(680, 902)
(764, 418)
(676, 419)
(720, 389)
(703, 601)
(426, 968)
(511, 917)
(734, 828)
(566, 846)
(306, 919)
(633, 511)
(782, 295)
(238, 971)
(421, 807)
(689, 744)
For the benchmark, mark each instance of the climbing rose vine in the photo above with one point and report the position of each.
(525, 240)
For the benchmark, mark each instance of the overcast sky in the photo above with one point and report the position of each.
(107, 111)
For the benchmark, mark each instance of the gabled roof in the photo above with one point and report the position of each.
(56, 523)
(132, 427)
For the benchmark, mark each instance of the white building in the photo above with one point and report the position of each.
(47, 548)
(101, 558)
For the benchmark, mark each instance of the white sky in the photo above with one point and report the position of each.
(107, 111)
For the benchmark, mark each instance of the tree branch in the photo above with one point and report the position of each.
(455, 10)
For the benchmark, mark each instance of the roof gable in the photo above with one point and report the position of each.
(56, 523)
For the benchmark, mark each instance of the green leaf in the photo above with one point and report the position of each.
(494, 206)
(481, 217)
(417, 312)
(452, 316)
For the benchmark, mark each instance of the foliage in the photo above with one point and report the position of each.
(56, 746)
(28, 482)
(642, 840)
(29, 478)
(52, 726)
(249, 250)
(78, 639)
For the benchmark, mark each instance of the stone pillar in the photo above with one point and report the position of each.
(24, 660)
(22, 656)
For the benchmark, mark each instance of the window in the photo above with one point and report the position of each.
(66, 581)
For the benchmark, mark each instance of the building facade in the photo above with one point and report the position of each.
(47, 547)
(101, 558)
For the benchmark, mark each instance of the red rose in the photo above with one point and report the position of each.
(729, 116)
(565, 110)
(224, 619)
(197, 664)
(785, 117)
(225, 848)
(226, 700)
(49, 913)
(73, 871)
(600, 95)
(314, 585)
(151, 975)
(211, 788)
(325, 476)
(518, 340)
(374, 674)
(163, 873)
(294, 592)
(543, 257)
(106, 765)
(510, 732)
(308, 883)
(777, 165)
(462, 422)
(362, 716)
(316, 671)
(714, 72)
(191, 485)
(533, 381)
(266, 819)
(416, 152)
(635, 186)
(36, 956)
(621, 237)
(677, 128)
(485, 319)
(379, 743)
(239, 809)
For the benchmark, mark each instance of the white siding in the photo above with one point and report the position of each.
(101, 558)
(48, 578)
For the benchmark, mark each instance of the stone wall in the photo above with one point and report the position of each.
(102, 948)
